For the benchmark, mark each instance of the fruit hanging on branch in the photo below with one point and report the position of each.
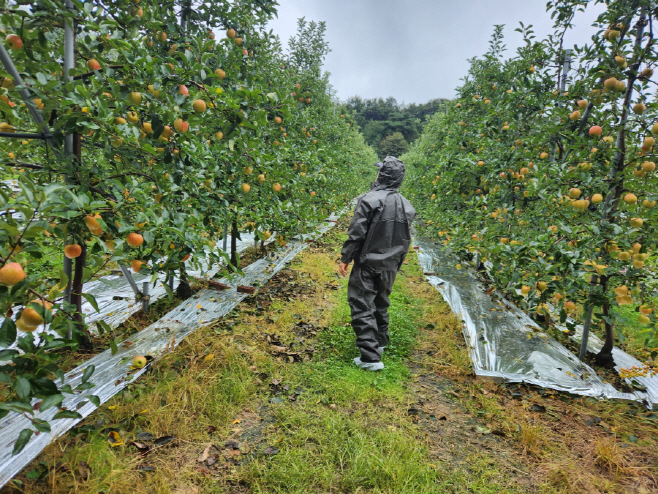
(11, 273)
(134, 239)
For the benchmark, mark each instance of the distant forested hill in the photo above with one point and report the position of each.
(388, 126)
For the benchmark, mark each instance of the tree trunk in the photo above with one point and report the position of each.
(604, 357)
(234, 243)
(183, 289)
(589, 311)
(76, 296)
(611, 203)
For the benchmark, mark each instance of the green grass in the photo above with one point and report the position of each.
(367, 451)
(350, 432)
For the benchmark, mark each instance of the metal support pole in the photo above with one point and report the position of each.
(145, 296)
(566, 67)
(25, 94)
(68, 270)
(68, 140)
(130, 279)
(69, 64)
(224, 245)
(25, 135)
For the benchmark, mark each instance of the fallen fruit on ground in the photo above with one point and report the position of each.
(139, 362)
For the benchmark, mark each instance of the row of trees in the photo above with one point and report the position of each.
(135, 140)
(389, 126)
(553, 180)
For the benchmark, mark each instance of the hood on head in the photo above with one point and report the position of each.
(391, 174)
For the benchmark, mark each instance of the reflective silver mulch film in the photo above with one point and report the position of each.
(623, 361)
(506, 344)
(113, 373)
(116, 299)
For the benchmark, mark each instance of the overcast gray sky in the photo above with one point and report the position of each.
(415, 50)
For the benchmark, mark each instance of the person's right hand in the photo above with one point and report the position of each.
(342, 268)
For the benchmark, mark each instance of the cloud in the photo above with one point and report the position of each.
(415, 50)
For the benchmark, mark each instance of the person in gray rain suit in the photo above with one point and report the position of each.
(378, 242)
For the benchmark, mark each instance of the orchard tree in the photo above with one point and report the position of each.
(393, 145)
(554, 181)
(171, 121)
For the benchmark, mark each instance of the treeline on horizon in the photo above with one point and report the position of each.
(388, 126)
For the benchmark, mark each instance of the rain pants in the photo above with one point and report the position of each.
(378, 242)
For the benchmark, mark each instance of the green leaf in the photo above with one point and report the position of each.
(95, 400)
(103, 327)
(7, 355)
(16, 406)
(26, 343)
(23, 439)
(67, 414)
(92, 300)
(54, 344)
(41, 425)
(170, 292)
(89, 370)
(22, 387)
(113, 347)
(51, 401)
(33, 474)
(7, 332)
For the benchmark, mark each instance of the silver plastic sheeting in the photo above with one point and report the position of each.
(623, 361)
(113, 372)
(504, 343)
(11, 184)
(116, 299)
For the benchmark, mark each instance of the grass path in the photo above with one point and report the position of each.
(267, 400)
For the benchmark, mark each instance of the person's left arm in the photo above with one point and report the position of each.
(411, 214)
(356, 235)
